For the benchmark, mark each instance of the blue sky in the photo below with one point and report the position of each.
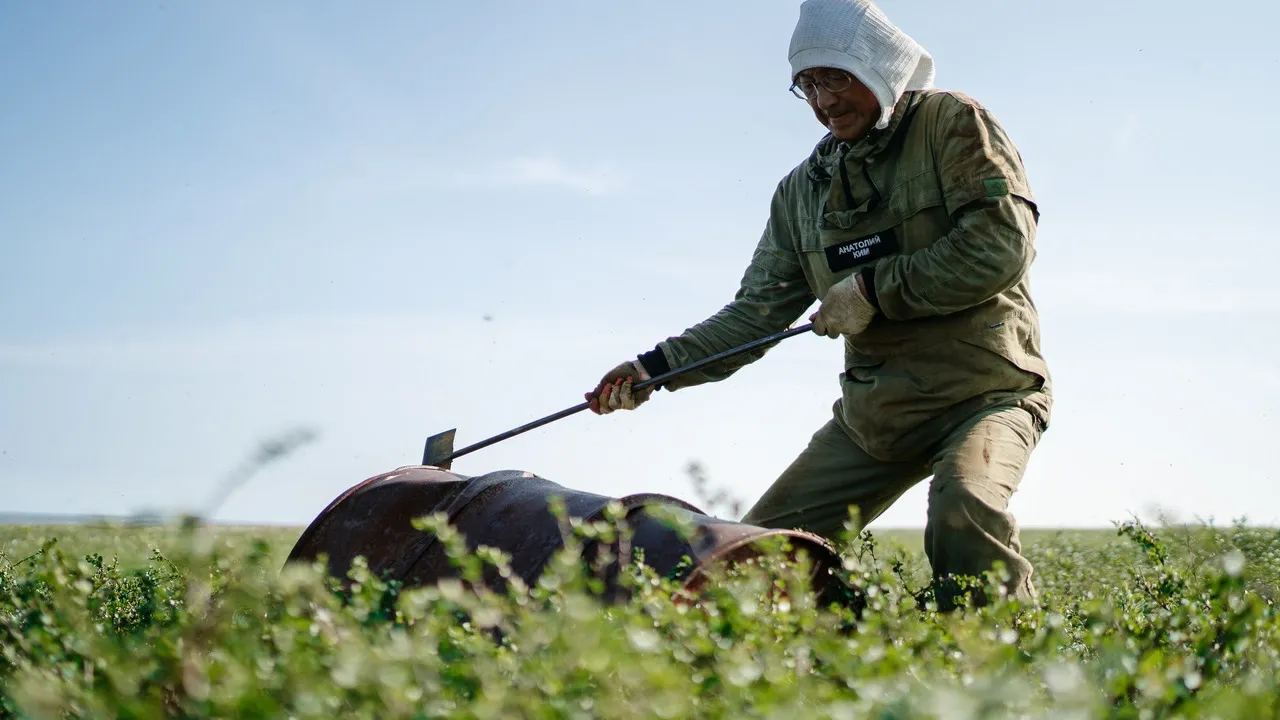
(219, 222)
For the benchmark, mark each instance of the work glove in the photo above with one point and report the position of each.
(614, 390)
(845, 310)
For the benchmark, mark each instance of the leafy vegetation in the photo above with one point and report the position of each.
(1178, 622)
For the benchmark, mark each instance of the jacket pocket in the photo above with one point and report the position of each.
(897, 406)
(837, 244)
(916, 193)
(1015, 342)
(860, 369)
(884, 400)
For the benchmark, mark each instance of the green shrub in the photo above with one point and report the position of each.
(1178, 622)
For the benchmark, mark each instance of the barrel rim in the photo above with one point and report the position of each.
(319, 522)
(827, 555)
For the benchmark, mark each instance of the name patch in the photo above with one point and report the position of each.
(849, 253)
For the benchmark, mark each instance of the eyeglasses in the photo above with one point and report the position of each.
(808, 89)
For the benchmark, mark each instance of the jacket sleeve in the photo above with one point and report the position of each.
(994, 216)
(772, 294)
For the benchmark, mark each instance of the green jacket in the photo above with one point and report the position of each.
(936, 212)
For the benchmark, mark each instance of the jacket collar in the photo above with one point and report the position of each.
(830, 150)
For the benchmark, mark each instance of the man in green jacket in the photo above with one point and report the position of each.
(913, 225)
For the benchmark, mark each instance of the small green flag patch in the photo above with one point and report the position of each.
(996, 187)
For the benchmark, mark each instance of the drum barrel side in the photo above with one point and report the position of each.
(509, 510)
(375, 519)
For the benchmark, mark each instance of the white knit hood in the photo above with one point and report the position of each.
(855, 36)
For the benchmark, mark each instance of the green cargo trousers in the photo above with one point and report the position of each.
(975, 470)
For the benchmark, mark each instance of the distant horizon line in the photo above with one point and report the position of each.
(156, 519)
(134, 519)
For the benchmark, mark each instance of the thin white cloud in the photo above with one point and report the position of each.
(544, 171)
(373, 171)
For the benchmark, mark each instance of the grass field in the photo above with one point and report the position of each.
(152, 621)
(133, 543)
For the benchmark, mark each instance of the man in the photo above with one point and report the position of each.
(913, 224)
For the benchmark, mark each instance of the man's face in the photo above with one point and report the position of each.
(848, 112)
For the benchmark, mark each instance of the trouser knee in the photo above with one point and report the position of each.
(968, 535)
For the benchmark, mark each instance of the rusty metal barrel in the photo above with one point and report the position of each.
(509, 510)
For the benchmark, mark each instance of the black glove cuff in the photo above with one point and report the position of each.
(654, 362)
(869, 280)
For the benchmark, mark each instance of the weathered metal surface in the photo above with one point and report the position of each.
(509, 510)
(439, 450)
